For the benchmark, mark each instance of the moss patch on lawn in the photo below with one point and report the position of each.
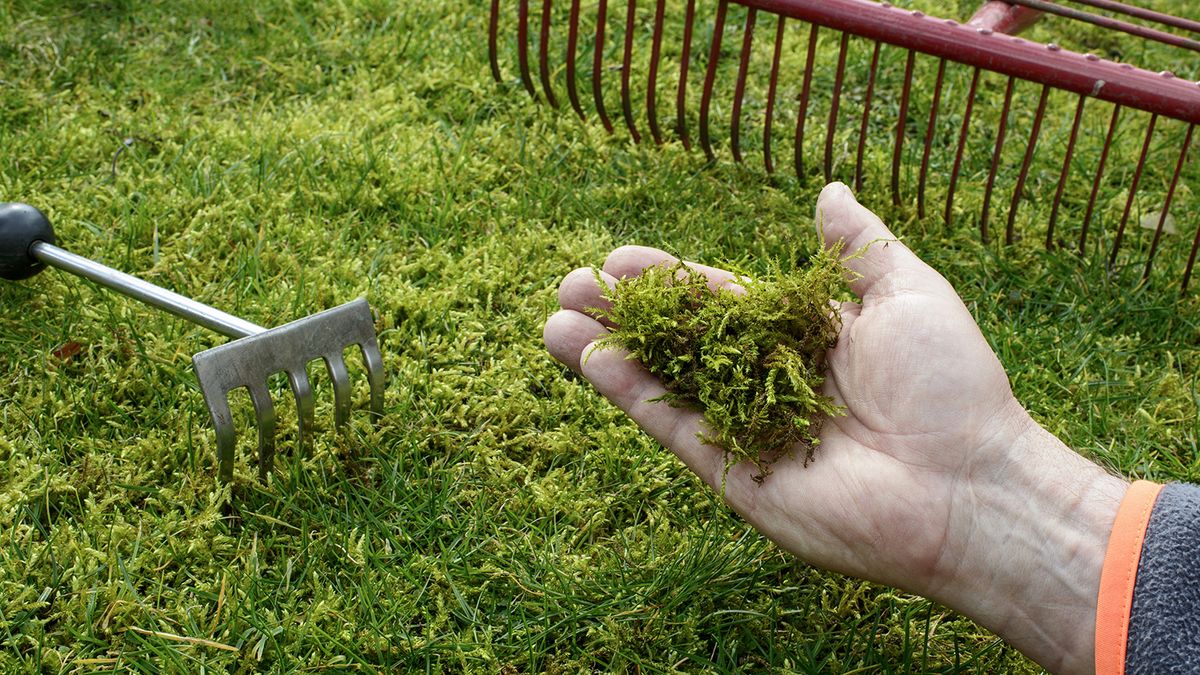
(501, 516)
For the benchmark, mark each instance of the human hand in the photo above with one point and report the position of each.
(935, 481)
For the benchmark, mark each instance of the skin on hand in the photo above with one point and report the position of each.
(936, 480)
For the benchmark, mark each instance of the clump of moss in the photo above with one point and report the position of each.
(752, 361)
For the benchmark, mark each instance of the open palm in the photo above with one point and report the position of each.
(925, 397)
(936, 480)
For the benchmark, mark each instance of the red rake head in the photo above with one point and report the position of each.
(1134, 100)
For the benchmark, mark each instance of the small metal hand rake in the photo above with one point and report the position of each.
(27, 245)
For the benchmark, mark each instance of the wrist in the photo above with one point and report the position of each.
(1038, 519)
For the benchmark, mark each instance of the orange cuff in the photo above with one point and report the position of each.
(1119, 574)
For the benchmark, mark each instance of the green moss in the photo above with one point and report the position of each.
(752, 361)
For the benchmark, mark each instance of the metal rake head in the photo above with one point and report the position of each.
(248, 363)
(1158, 109)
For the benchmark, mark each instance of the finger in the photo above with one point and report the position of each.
(631, 388)
(870, 249)
(629, 261)
(580, 291)
(567, 333)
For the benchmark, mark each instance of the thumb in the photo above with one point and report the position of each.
(869, 247)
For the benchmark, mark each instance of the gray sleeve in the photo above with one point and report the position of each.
(1164, 624)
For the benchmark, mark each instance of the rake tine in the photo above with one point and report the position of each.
(302, 390)
(681, 94)
(652, 79)
(373, 360)
(1142, 13)
(1187, 272)
(572, 47)
(902, 120)
(710, 78)
(1001, 132)
(493, 30)
(740, 89)
(1112, 24)
(834, 104)
(1162, 217)
(1133, 186)
(626, 67)
(769, 115)
(264, 413)
(805, 92)
(1066, 168)
(598, 65)
(523, 47)
(1087, 216)
(1029, 148)
(222, 422)
(929, 130)
(341, 388)
(866, 118)
(962, 144)
(544, 54)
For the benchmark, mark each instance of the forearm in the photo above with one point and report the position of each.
(1032, 549)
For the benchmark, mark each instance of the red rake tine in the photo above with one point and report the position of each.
(805, 93)
(652, 78)
(493, 30)
(740, 89)
(930, 130)
(769, 114)
(1066, 168)
(962, 144)
(1001, 132)
(598, 65)
(572, 49)
(1166, 208)
(1030, 147)
(523, 47)
(714, 56)
(544, 54)
(901, 121)
(1091, 206)
(866, 118)
(626, 67)
(685, 58)
(1133, 186)
(834, 105)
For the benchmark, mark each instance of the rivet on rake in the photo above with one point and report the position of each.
(1167, 74)
(918, 13)
(1091, 57)
(1053, 47)
(985, 31)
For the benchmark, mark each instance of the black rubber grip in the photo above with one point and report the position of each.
(20, 226)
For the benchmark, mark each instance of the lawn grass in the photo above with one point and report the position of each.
(278, 158)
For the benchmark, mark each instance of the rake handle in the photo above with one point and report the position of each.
(27, 245)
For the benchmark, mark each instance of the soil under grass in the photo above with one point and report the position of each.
(275, 159)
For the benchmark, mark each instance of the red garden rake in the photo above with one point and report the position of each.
(27, 246)
(1138, 99)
